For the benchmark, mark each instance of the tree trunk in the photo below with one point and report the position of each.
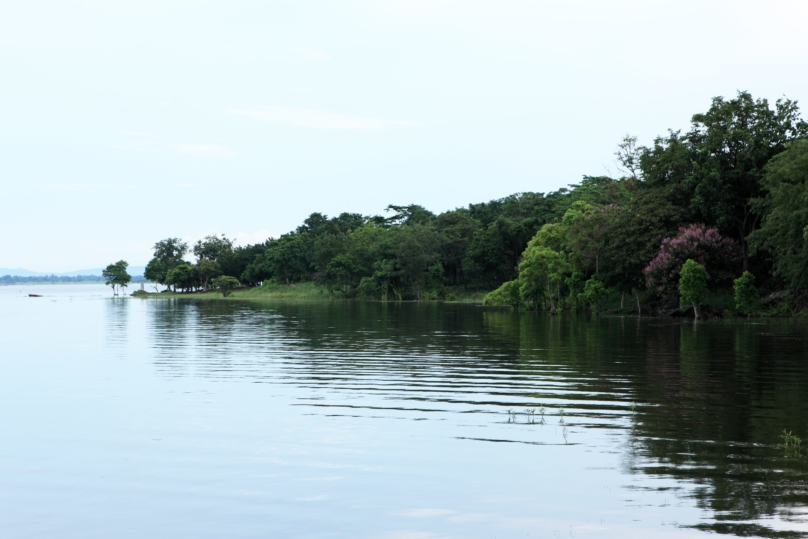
(622, 301)
(637, 295)
(550, 295)
(696, 311)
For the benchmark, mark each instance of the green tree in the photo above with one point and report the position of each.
(286, 259)
(720, 161)
(183, 276)
(225, 284)
(507, 294)
(343, 271)
(115, 275)
(746, 295)
(212, 247)
(412, 214)
(588, 234)
(783, 231)
(693, 285)
(456, 228)
(206, 270)
(541, 272)
(636, 234)
(575, 284)
(416, 250)
(168, 254)
(593, 293)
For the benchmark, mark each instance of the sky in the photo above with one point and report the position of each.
(123, 123)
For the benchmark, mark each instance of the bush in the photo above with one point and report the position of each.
(225, 284)
(593, 293)
(693, 285)
(694, 242)
(507, 294)
(747, 300)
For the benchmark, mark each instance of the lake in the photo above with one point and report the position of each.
(209, 419)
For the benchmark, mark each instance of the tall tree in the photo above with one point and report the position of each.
(721, 160)
(168, 254)
(784, 231)
(212, 247)
(115, 275)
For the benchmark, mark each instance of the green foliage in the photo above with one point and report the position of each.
(182, 276)
(784, 231)
(225, 284)
(575, 283)
(746, 295)
(594, 292)
(792, 443)
(206, 270)
(719, 164)
(561, 248)
(212, 247)
(541, 273)
(693, 285)
(507, 294)
(589, 231)
(168, 254)
(115, 275)
(408, 215)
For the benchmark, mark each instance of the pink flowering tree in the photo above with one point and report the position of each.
(697, 242)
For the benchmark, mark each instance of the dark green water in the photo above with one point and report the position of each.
(183, 418)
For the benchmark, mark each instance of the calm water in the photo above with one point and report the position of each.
(192, 419)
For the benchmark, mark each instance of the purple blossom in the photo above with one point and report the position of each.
(704, 245)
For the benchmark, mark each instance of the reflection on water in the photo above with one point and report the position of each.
(704, 404)
(436, 420)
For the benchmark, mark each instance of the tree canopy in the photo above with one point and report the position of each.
(116, 276)
(730, 193)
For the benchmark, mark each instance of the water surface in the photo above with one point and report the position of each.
(188, 418)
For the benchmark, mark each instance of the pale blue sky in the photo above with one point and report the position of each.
(122, 123)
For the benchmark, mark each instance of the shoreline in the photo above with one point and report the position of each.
(309, 292)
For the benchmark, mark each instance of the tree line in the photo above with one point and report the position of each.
(54, 279)
(730, 194)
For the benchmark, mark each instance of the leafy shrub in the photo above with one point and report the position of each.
(225, 284)
(507, 294)
(693, 285)
(747, 300)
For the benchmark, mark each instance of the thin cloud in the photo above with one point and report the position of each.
(135, 133)
(183, 149)
(82, 186)
(201, 149)
(313, 54)
(316, 119)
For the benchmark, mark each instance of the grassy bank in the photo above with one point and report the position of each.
(312, 292)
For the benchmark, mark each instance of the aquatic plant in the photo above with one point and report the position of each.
(791, 442)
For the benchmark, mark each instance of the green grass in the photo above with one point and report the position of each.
(314, 292)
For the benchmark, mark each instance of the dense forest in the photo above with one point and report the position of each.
(730, 194)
